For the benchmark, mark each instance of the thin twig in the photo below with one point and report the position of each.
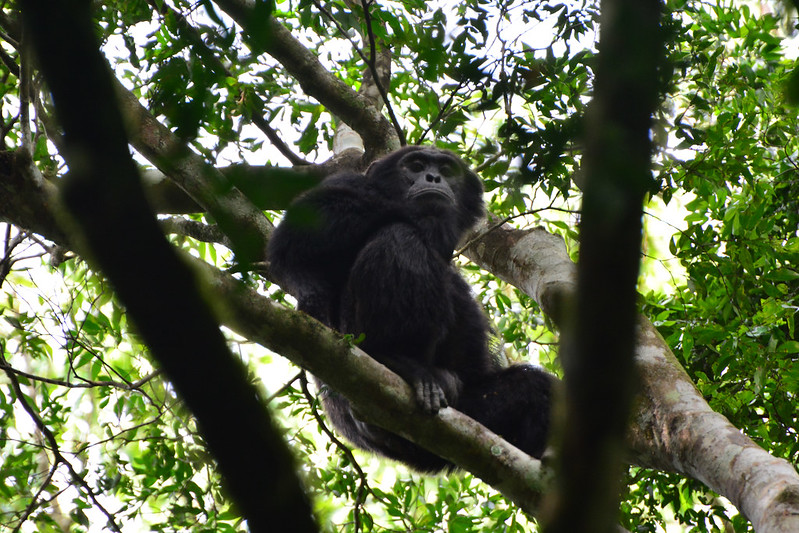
(363, 485)
(508, 218)
(85, 384)
(371, 61)
(34, 503)
(195, 230)
(51, 440)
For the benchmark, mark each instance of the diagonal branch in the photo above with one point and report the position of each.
(375, 77)
(380, 396)
(213, 62)
(242, 221)
(107, 206)
(316, 81)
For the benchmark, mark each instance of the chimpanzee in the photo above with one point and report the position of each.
(372, 254)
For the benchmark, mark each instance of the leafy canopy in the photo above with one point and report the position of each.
(721, 239)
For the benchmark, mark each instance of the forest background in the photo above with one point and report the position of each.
(233, 107)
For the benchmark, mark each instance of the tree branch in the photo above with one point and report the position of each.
(244, 223)
(674, 429)
(195, 230)
(266, 187)
(316, 81)
(83, 384)
(107, 203)
(26, 199)
(380, 396)
(598, 343)
(380, 83)
(209, 58)
(377, 74)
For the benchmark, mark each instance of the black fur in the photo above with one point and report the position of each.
(372, 254)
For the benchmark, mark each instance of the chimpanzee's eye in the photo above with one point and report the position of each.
(416, 166)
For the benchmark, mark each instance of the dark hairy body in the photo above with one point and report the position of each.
(371, 254)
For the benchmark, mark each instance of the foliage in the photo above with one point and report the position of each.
(724, 222)
(734, 320)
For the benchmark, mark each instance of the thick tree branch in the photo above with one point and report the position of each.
(265, 187)
(533, 260)
(244, 223)
(195, 230)
(27, 200)
(673, 428)
(597, 347)
(105, 198)
(380, 396)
